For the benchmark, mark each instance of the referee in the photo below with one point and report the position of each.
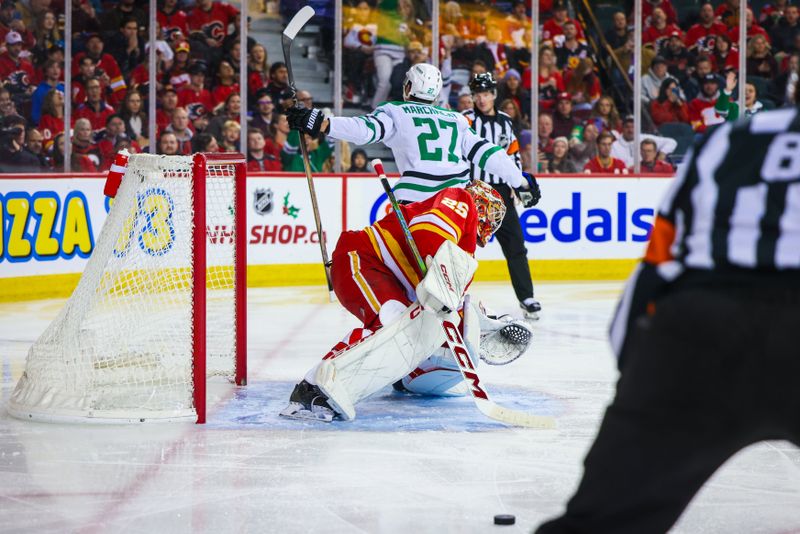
(706, 332)
(496, 127)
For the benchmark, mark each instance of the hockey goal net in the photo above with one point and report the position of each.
(160, 305)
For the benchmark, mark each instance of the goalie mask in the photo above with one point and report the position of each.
(491, 209)
(423, 82)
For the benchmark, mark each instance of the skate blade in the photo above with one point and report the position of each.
(300, 413)
(530, 316)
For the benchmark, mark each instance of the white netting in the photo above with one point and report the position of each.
(121, 348)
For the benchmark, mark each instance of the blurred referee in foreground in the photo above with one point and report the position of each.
(496, 127)
(706, 332)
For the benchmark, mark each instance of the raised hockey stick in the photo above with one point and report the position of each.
(455, 342)
(295, 25)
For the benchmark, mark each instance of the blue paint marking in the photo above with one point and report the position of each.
(257, 405)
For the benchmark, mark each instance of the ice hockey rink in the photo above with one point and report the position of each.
(406, 464)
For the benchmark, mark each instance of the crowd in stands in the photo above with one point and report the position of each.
(689, 77)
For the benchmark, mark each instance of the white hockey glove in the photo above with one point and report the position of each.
(503, 339)
(449, 273)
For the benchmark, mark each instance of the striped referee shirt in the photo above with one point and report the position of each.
(496, 129)
(733, 210)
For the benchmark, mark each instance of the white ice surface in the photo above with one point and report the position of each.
(405, 465)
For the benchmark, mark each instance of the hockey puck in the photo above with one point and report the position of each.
(504, 519)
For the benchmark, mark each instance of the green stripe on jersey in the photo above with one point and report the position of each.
(371, 127)
(429, 189)
(488, 154)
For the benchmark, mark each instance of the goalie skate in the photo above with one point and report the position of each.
(308, 402)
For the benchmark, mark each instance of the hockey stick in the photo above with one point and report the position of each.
(295, 25)
(455, 342)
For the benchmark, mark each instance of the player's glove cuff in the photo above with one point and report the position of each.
(305, 120)
(531, 195)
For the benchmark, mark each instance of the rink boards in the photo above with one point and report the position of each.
(584, 228)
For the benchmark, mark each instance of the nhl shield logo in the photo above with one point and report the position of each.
(262, 201)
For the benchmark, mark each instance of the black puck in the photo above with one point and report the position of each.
(504, 519)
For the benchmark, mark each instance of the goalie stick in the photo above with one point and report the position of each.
(455, 341)
(295, 25)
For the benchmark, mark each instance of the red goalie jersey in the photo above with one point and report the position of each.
(375, 265)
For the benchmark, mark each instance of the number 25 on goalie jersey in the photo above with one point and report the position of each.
(433, 147)
(450, 215)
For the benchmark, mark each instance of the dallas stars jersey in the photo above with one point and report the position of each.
(433, 147)
(732, 212)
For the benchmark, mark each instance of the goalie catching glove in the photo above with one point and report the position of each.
(305, 120)
(531, 195)
(449, 273)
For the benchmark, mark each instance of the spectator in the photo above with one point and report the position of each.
(86, 71)
(551, 83)
(231, 132)
(728, 108)
(725, 55)
(604, 162)
(105, 67)
(701, 109)
(650, 164)
(279, 133)
(172, 21)
(85, 20)
(51, 121)
(569, 50)
(177, 75)
(679, 61)
(394, 31)
(555, 26)
(7, 106)
(16, 72)
(650, 6)
(560, 161)
(752, 27)
(115, 127)
(701, 36)
(264, 111)
(584, 86)
(465, 102)
(29, 11)
(358, 161)
(545, 131)
(34, 143)
(52, 80)
(624, 148)
(518, 123)
(228, 111)
(226, 83)
(361, 34)
(618, 33)
(122, 10)
(669, 106)
(257, 158)
(85, 155)
(760, 61)
(95, 108)
(168, 144)
(182, 130)
(652, 81)
(203, 142)
(772, 13)
(14, 157)
(199, 118)
(605, 115)
(563, 119)
(622, 75)
(195, 92)
(659, 31)
(169, 102)
(415, 54)
(46, 35)
(511, 88)
(786, 30)
(56, 153)
(208, 23)
(781, 90)
(257, 72)
(691, 87)
(279, 88)
(126, 47)
(318, 153)
(136, 120)
(516, 23)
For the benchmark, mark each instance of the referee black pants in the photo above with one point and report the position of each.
(509, 235)
(713, 371)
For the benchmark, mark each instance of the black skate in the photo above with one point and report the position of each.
(531, 307)
(308, 402)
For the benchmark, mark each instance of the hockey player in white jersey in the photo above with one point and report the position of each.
(432, 146)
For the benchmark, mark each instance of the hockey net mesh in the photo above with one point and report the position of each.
(121, 347)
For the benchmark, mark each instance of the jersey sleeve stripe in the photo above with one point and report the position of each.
(439, 219)
(398, 256)
(440, 178)
(374, 240)
(425, 226)
(361, 282)
(430, 188)
(474, 150)
(381, 127)
(487, 154)
(371, 127)
(449, 221)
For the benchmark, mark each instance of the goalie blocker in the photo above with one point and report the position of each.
(376, 278)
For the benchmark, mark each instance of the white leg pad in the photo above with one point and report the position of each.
(379, 360)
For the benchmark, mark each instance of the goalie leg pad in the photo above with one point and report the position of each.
(437, 375)
(379, 360)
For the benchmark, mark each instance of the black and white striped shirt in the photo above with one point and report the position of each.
(496, 129)
(733, 211)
